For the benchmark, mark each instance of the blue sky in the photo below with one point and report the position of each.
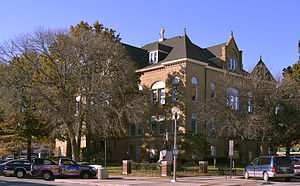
(270, 28)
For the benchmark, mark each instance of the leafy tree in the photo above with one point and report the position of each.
(81, 78)
(195, 144)
(293, 71)
(288, 113)
(21, 123)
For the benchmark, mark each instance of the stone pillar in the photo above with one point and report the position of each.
(102, 173)
(203, 166)
(126, 166)
(166, 168)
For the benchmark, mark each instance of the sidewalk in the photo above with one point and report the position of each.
(199, 180)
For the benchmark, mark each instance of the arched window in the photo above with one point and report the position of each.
(250, 106)
(158, 93)
(213, 94)
(233, 98)
(175, 89)
(194, 89)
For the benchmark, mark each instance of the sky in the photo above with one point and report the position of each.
(270, 28)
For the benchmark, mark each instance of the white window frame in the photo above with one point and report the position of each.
(158, 89)
(153, 57)
(233, 98)
(194, 85)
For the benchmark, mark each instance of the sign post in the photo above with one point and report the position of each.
(175, 113)
(231, 145)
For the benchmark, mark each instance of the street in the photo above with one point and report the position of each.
(127, 180)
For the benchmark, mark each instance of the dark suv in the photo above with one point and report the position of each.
(18, 168)
(267, 167)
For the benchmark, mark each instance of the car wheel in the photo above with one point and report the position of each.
(47, 175)
(246, 175)
(266, 176)
(20, 173)
(6, 175)
(85, 175)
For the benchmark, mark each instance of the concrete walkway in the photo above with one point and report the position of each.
(199, 180)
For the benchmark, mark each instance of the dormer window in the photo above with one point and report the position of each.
(153, 57)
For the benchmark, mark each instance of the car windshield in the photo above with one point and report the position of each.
(282, 161)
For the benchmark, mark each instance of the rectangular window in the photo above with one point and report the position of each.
(153, 125)
(213, 129)
(175, 93)
(230, 63)
(194, 93)
(138, 131)
(161, 124)
(162, 96)
(154, 96)
(249, 105)
(153, 57)
(132, 130)
(194, 123)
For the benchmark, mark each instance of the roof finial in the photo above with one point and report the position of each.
(231, 33)
(260, 57)
(162, 32)
(184, 33)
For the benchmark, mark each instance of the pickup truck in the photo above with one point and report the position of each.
(48, 169)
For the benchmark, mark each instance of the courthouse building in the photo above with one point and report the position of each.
(180, 73)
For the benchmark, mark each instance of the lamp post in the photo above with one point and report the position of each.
(175, 112)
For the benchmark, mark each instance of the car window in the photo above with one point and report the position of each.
(282, 161)
(69, 162)
(49, 162)
(255, 162)
(264, 161)
(17, 162)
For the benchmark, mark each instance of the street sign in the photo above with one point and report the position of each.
(175, 112)
(231, 146)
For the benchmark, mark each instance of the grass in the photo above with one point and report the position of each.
(181, 171)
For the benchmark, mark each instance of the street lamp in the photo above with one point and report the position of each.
(175, 113)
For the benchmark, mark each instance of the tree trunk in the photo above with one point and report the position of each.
(263, 149)
(69, 148)
(29, 148)
(88, 144)
(288, 150)
(75, 149)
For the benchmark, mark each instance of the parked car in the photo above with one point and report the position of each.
(267, 167)
(296, 162)
(19, 168)
(2, 166)
(48, 169)
(8, 158)
(23, 157)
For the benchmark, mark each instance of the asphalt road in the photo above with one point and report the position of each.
(13, 181)
(145, 181)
